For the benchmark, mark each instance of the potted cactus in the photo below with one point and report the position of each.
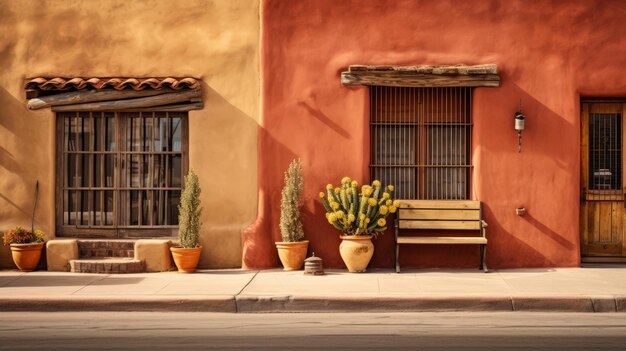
(292, 250)
(359, 216)
(187, 255)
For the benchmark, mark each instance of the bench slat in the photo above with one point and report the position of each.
(443, 225)
(442, 240)
(435, 204)
(439, 214)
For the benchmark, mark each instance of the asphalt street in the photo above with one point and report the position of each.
(311, 331)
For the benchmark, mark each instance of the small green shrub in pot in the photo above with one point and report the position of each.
(189, 211)
(292, 250)
(187, 255)
(290, 224)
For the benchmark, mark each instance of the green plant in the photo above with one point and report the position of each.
(189, 212)
(19, 235)
(290, 224)
(355, 213)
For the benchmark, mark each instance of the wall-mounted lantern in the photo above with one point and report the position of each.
(519, 126)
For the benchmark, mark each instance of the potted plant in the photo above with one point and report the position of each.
(187, 255)
(292, 250)
(26, 247)
(359, 216)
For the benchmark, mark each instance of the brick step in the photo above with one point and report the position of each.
(101, 248)
(107, 265)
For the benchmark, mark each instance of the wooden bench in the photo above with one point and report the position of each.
(463, 215)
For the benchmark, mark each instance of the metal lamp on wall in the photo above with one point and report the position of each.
(520, 121)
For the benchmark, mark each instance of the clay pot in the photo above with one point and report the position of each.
(186, 259)
(26, 256)
(356, 251)
(292, 254)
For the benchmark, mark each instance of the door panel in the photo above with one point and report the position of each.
(602, 182)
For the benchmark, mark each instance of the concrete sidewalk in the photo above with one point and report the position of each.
(560, 289)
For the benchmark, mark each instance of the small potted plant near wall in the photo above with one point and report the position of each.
(359, 216)
(292, 250)
(26, 246)
(187, 255)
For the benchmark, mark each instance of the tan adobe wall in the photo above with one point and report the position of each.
(216, 41)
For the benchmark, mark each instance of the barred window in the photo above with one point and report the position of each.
(421, 140)
(120, 174)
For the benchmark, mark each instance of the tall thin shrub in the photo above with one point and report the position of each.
(290, 224)
(189, 212)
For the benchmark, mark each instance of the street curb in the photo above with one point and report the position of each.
(310, 304)
(225, 303)
(277, 304)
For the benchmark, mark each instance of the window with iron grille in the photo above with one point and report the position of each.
(120, 174)
(421, 140)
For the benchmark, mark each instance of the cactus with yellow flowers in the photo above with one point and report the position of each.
(355, 212)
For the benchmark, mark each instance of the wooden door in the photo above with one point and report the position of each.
(603, 182)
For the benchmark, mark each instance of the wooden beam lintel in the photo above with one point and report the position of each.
(404, 79)
(189, 106)
(128, 104)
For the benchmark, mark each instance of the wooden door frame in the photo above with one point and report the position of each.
(598, 195)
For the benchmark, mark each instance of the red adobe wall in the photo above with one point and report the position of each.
(548, 53)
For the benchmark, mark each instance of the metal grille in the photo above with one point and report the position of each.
(421, 139)
(605, 151)
(121, 170)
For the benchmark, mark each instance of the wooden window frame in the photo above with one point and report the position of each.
(412, 115)
(116, 230)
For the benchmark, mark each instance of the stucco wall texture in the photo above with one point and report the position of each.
(216, 41)
(549, 54)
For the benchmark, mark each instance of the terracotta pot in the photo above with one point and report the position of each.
(356, 251)
(26, 256)
(292, 254)
(186, 259)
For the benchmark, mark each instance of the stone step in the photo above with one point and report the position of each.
(107, 265)
(101, 248)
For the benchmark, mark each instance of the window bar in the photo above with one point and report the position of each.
(78, 158)
(116, 179)
(468, 146)
(426, 143)
(419, 172)
(90, 171)
(151, 174)
(168, 180)
(459, 137)
(395, 116)
(433, 182)
(372, 132)
(408, 117)
(140, 157)
(408, 141)
(103, 132)
(446, 144)
(127, 167)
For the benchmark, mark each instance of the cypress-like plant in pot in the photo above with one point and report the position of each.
(187, 255)
(292, 250)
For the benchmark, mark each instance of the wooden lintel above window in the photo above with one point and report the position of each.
(422, 76)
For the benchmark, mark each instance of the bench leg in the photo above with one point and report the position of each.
(483, 253)
(397, 258)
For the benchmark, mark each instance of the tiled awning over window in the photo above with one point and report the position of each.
(79, 83)
(114, 94)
